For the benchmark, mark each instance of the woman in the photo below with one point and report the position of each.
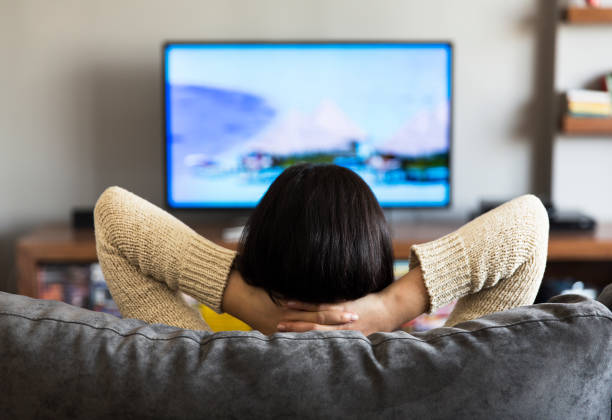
(317, 235)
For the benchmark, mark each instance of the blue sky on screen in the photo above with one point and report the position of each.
(400, 81)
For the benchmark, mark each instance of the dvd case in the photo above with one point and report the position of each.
(80, 285)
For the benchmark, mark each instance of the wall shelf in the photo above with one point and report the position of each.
(589, 15)
(594, 126)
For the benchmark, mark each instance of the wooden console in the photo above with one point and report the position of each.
(586, 256)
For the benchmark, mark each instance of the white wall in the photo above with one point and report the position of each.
(81, 109)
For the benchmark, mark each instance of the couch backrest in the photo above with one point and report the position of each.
(549, 360)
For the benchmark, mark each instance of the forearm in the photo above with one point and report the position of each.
(250, 304)
(519, 289)
(141, 297)
(504, 249)
(405, 299)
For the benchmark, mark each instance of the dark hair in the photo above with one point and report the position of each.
(317, 235)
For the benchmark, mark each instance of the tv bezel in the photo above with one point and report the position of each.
(167, 44)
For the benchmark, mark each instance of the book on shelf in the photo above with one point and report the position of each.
(589, 103)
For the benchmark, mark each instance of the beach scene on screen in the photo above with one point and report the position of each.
(238, 115)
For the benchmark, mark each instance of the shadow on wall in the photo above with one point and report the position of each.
(537, 118)
(126, 108)
(128, 138)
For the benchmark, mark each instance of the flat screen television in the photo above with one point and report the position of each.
(238, 113)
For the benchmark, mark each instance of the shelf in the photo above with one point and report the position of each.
(594, 126)
(589, 15)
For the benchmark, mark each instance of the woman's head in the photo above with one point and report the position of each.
(317, 235)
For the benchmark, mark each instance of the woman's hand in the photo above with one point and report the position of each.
(387, 310)
(253, 305)
(372, 315)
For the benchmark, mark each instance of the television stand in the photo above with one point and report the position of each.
(586, 256)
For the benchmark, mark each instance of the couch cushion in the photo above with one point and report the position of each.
(549, 360)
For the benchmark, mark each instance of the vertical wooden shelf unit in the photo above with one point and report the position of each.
(587, 126)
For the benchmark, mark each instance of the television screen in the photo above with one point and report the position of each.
(238, 114)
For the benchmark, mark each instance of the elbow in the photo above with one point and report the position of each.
(535, 220)
(106, 210)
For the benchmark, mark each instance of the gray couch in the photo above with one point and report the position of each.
(546, 361)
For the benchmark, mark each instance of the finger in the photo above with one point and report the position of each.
(314, 307)
(323, 317)
(307, 326)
